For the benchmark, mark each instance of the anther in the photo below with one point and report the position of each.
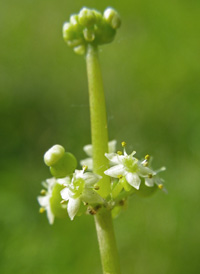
(96, 187)
(85, 168)
(63, 202)
(123, 144)
(119, 152)
(147, 157)
(120, 176)
(150, 175)
(43, 192)
(41, 210)
(160, 186)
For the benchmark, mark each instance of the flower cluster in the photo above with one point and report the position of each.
(90, 26)
(77, 192)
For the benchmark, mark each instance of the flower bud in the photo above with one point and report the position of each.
(104, 34)
(68, 32)
(64, 166)
(54, 154)
(88, 35)
(112, 18)
(80, 50)
(87, 17)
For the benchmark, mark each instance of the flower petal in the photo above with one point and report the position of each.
(133, 179)
(91, 178)
(87, 162)
(73, 207)
(112, 146)
(64, 181)
(91, 197)
(113, 157)
(65, 194)
(43, 200)
(50, 215)
(88, 150)
(149, 182)
(115, 171)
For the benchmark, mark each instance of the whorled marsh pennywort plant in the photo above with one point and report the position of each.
(107, 177)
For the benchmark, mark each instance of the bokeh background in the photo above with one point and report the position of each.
(152, 84)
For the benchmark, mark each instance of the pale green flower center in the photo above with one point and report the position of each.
(78, 187)
(130, 164)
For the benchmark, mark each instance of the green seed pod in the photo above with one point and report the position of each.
(87, 17)
(53, 155)
(65, 166)
(59, 210)
(146, 191)
(112, 18)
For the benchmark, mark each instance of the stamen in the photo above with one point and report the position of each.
(120, 176)
(63, 202)
(119, 152)
(147, 157)
(150, 175)
(41, 210)
(123, 144)
(145, 164)
(85, 168)
(43, 192)
(160, 186)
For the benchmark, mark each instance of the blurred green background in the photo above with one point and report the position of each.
(152, 84)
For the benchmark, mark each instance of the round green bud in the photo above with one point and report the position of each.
(80, 50)
(53, 155)
(112, 18)
(89, 35)
(68, 32)
(65, 166)
(75, 42)
(57, 208)
(86, 17)
(74, 20)
(99, 17)
(104, 33)
(146, 191)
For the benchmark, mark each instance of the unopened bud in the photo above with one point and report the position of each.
(112, 18)
(86, 17)
(54, 154)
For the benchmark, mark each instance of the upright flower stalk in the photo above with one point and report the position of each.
(103, 219)
(113, 177)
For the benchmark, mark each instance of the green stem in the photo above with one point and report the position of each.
(103, 219)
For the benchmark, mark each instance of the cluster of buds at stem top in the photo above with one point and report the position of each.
(90, 26)
(61, 163)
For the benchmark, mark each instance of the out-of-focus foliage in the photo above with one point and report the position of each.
(151, 75)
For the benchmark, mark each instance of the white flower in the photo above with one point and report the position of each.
(44, 200)
(80, 189)
(89, 151)
(125, 166)
(128, 167)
